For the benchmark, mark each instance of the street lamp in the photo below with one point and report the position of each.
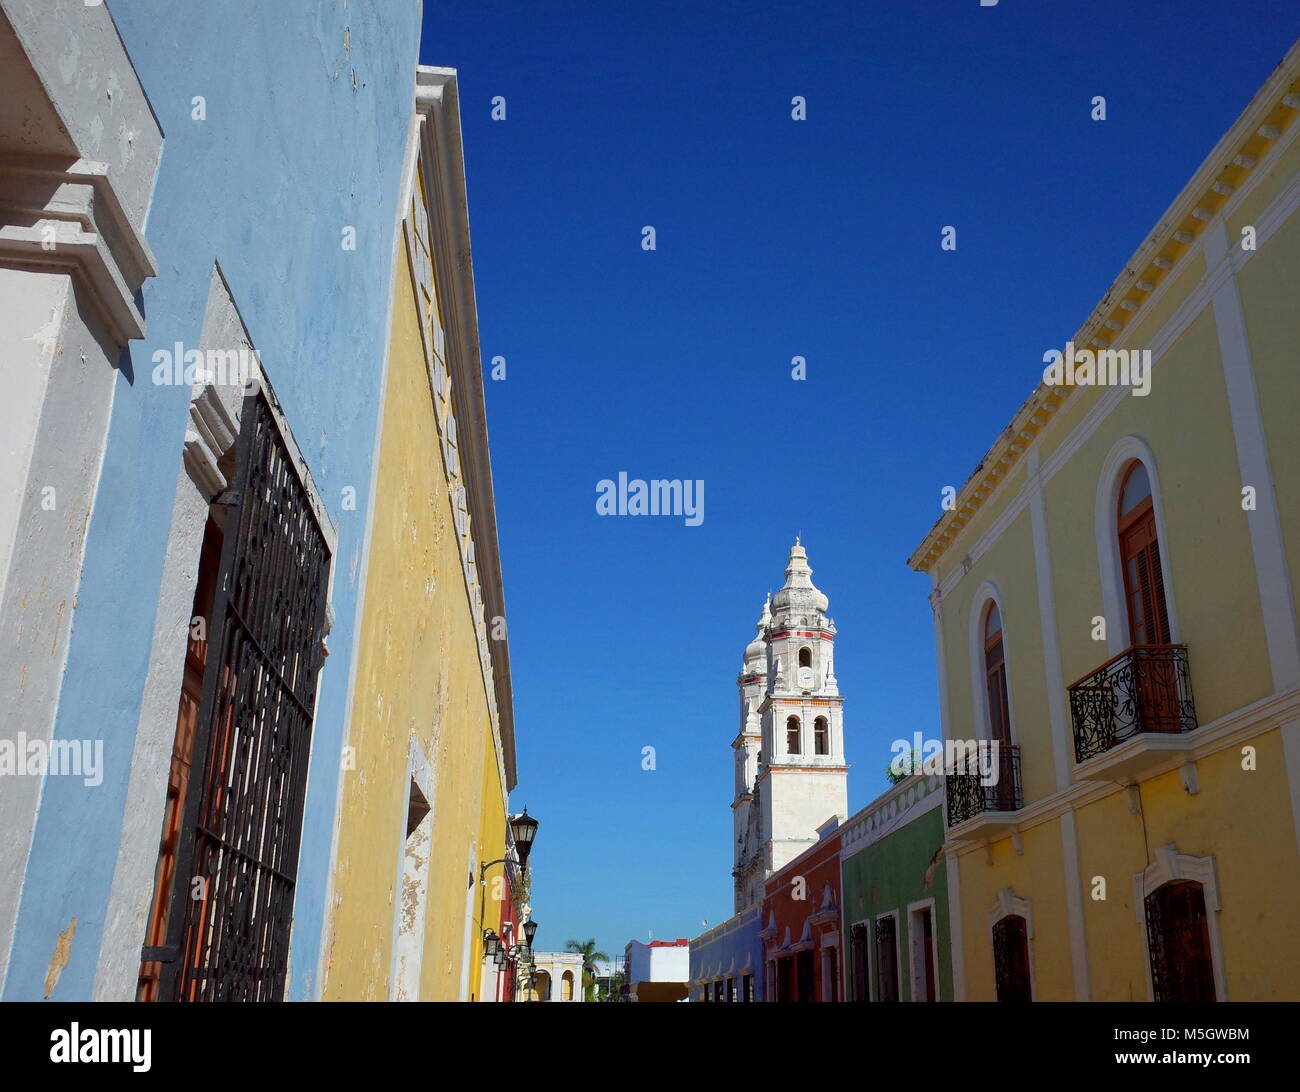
(523, 828)
(530, 931)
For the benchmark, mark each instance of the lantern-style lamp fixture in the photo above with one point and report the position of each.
(491, 944)
(530, 931)
(524, 829)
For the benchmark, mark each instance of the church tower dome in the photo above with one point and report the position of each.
(756, 650)
(799, 596)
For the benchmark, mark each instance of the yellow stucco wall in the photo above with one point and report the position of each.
(1112, 847)
(418, 676)
(1268, 293)
(1208, 560)
(1034, 874)
(1242, 818)
(1234, 818)
(1009, 565)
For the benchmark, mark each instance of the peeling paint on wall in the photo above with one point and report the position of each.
(62, 952)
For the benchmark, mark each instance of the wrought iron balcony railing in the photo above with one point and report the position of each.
(968, 796)
(1146, 688)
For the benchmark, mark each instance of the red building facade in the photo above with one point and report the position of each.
(801, 925)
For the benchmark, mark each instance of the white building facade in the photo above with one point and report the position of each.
(657, 970)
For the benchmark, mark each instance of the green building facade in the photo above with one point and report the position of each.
(894, 887)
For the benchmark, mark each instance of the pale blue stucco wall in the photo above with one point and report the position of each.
(730, 950)
(302, 137)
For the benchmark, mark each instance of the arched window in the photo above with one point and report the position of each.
(566, 986)
(1139, 551)
(792, 742)
(1178, 936)
(542, 987)
(1011, 959)
(995, 677)
(821, 736)
(805, 657)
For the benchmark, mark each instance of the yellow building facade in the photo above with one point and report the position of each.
(430, 759)
(1114, 603)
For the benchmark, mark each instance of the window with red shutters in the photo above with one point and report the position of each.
(1144, 592)
(995, 676)
(1144, 584)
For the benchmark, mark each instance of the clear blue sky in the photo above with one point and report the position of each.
(776, 238)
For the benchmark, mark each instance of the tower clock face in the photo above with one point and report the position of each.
(806, 678)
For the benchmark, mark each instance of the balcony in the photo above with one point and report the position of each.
(1132, 714)
(987, 811)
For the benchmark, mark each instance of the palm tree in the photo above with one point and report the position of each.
(586, 949)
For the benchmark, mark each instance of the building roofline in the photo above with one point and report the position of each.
(1238, 152)
(437, 100)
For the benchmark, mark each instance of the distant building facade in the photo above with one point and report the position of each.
(658, 970)
(727, 960)
(555, 976)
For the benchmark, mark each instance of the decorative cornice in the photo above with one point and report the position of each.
(437, 103)
(892, 810)
(1127, 302)
(67, 215)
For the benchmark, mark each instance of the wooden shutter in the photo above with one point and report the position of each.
(1144, 583)
(995, 669)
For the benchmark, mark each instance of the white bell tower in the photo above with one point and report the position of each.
(752, 682)
(791, 699)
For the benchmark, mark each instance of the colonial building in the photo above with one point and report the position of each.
(727, 960)
(554, 976)
(801, 930)
(422, 870)
(184, 500)
(791, 776)
(894, 890)
(1115, 607)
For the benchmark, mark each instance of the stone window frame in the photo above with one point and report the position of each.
(1110, 564)
(1171, 866)
(1009, 905)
